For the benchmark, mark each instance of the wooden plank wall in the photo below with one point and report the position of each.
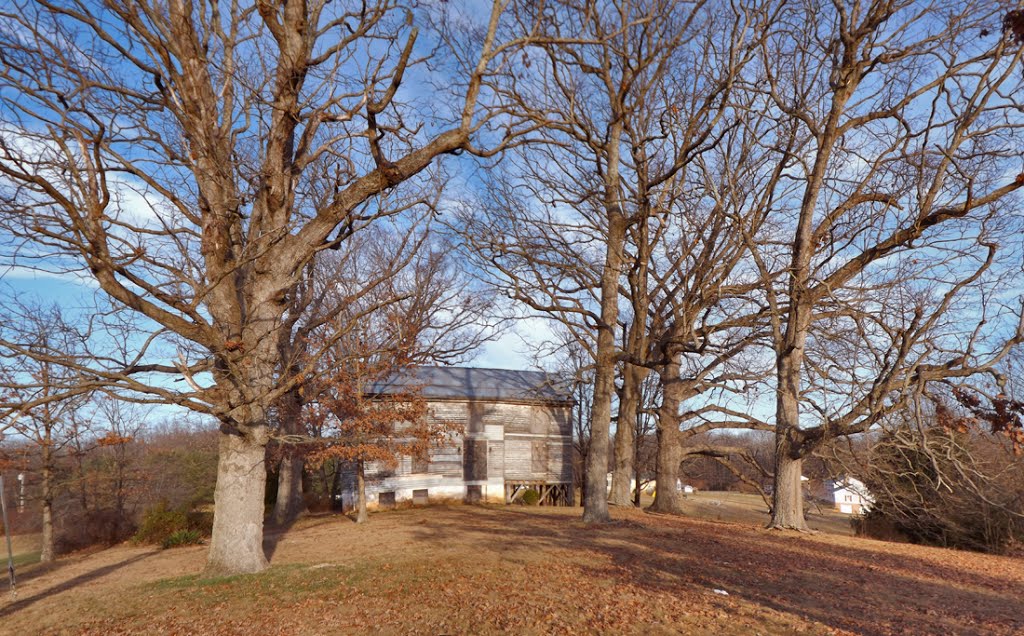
(525, 441)
(521, 442)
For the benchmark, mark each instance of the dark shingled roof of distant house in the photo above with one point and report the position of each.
(464, 383)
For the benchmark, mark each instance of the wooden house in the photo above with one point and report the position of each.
(513, 433)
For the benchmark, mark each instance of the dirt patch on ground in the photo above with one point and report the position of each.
(481, 570)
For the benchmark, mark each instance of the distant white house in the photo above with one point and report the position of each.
(648, 488)
(850, 495)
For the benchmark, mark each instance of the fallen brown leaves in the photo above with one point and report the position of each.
(468, 570)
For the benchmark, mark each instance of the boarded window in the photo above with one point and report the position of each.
(420, 497)
(386, 500)
(474, 494)
(420, 464)
(474, 460)
(540, 457)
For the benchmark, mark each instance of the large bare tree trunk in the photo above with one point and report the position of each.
(290, 503)
(666, 492)
(236, 546)
(361, 515)
(595, 491)
(595, 495)
(625, 437)
(636, 470)
(666, 497)
(787, 495)
(47, 554)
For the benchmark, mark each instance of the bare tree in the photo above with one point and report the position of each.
(193, 158)
(396, 293)
(117, 431)
(906, 109)
(945, 473)
(575, 367)
(690, 287)
(357, 426)
(644, 436)
(619, 129)
(43, 399)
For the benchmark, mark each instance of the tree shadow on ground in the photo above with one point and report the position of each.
(72, 583)
(836, 585)
(274, 533)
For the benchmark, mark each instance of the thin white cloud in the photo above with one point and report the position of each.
(23, 274)
(515, 348)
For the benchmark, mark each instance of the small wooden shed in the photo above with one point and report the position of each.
(514, 433)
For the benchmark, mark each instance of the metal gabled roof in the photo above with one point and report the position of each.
(467, 383)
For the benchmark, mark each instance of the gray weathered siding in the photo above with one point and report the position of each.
(517, 442)
(527, 442)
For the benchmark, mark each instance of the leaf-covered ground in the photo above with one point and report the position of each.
(481, 570)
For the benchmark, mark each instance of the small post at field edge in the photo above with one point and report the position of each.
(7, 532)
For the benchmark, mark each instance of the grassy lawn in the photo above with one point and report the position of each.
(735, 507)
(25, 549)
(491, 570)
(25, 558)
